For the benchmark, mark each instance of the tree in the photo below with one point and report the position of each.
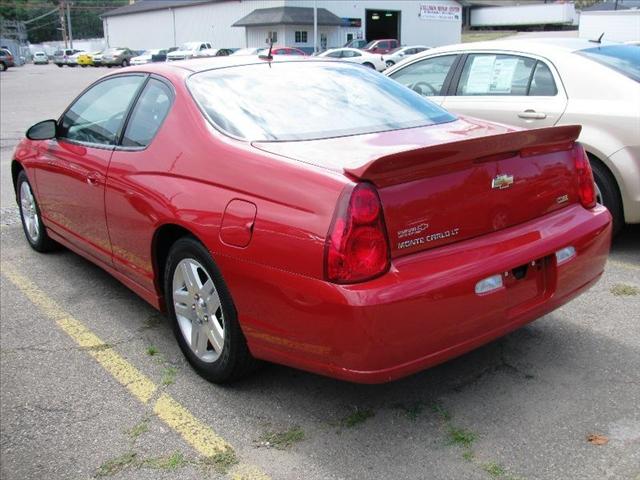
(85, 17)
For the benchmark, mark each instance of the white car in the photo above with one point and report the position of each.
(541, 82)
(248, 51)
(190, 50)
(353, 55)
(146, 56)
(40, 58)
(400, 53)
(72, 60)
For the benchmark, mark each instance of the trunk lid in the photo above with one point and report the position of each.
(454, 181)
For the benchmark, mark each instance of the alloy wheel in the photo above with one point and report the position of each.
(198, 310)
(29, 213)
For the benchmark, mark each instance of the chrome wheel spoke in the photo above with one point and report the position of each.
(185, 310)
(199, 339)
(189, 276)
(216, 336)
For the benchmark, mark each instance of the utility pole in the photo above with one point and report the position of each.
(62, 25)
(69, 25)
(315, 27)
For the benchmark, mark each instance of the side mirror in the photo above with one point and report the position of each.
(45, 130)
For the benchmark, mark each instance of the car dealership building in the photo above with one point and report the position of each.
(250, 23)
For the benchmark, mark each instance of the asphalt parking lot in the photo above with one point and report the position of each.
(93, 384)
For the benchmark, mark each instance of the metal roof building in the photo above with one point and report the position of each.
(249, 23)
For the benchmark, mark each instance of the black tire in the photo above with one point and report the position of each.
(59, 65)
(390, 63)
(235, 360)
(609, 192)
(42, 243)
(369, 64)
(125, 63)
(3, 67)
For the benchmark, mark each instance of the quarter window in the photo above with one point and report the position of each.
(97, 116)
(149, 113)
(489, 74)
(301, 37)
(542, 83)
(426, 76)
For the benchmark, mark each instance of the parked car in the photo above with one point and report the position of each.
(147, 56)
(61, 57)
(248, 51)
(6, 59)
(274, 51)
(356, 43)
(72, 60)
(418, 235)
(161, 56)
(40, 58)
(543, 82)
(189, 50)
(381, 46)
(354, 55)
(85, 59)
(114, 57)
(398, 54)
(97, 59)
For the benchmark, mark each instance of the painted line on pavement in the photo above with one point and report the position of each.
(196, 433)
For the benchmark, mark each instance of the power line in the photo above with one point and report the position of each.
(26, 22)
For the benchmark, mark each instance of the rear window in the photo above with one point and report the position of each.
(622, 58)
(310, 100)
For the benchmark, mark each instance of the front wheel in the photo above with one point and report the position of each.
(370, 65)
(203, 315)
(390, 63)
(125, 63)
(3, 67)
(30, 215)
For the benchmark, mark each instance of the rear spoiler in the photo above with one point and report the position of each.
(447, 157)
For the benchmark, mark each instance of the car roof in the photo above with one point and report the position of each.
(541, 46)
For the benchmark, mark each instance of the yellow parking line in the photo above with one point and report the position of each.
(629, 266)
(197, 434)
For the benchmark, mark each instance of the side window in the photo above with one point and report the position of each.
(488, 74)
(337, 54)
(426, 76)
(97, 116)
(148, 114)
(542, 83)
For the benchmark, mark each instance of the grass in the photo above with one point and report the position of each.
(284, 440)
(357, 417)
(494, 469)
(412, 411)
(116, 465)
(485, 35)
(166, 462)
(460, 436)
(624, 290)
(222, 462)
(169, 376)
(468, 455)
(138, 429)
(152, 350)
(441, 411)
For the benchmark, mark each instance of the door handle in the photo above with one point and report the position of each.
(532, 115)
(93, 179)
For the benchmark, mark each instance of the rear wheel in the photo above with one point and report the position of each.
(3, 67)
(30, 215)
(607, 192)
(369, 64)
(125, 63)
(202, 314)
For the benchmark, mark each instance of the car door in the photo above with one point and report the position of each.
(508, 88)
(429, 76)
(130, 210)
(72, 168)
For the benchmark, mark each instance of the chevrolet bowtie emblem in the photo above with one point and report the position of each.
(502, 181)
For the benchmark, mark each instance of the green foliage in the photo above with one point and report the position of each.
(85, 17)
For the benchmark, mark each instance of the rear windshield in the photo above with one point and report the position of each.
(622, 58)
(308, 100)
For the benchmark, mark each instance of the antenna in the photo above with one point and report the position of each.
(268, 56)
(599, 40)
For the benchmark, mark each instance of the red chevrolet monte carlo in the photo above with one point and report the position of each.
(312, 213)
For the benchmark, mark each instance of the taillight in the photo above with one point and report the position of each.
(586, 185)
(357, 247)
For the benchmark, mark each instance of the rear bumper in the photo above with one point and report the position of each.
(424, 310)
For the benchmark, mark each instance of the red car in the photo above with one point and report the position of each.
(347, 226)
(381, 46)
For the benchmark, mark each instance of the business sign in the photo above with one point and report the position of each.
(438, 11)
(351, 22)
